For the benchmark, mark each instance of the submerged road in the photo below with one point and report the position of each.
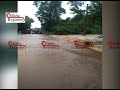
(64, 68)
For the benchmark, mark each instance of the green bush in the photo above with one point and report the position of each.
(97, 29)
(87, 42)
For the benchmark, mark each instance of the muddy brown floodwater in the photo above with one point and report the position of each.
(64, 68)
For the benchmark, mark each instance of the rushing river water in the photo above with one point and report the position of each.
(63, 68)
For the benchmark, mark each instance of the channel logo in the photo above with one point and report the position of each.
(114, 45)
(16, 44)
(14, 17)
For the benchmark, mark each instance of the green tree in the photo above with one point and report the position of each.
(95, 10)
(88, 21)
(26, 25)
(49, 13)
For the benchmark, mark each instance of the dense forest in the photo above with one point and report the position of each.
(88, 21)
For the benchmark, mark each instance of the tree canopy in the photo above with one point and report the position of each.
(88, 21)
(26, 25)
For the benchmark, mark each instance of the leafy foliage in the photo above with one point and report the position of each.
(26, 25)
(49, 13)
(87, 21)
